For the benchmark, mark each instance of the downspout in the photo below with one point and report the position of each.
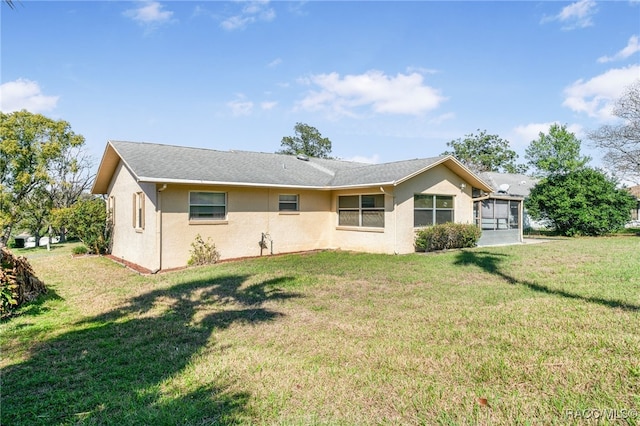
(521, 219)
(395, 220)
(159, 226)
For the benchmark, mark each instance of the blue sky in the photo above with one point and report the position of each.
(384, 81)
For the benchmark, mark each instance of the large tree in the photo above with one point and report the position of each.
(621, 142)
(485, 153)
(34, 158)
(581, 202)
(307, 141)
(555, 152)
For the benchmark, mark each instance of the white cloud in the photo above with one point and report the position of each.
(383, 94)
(268, 105)
(528, 132)
(596, 96)
(633, 46)
(25, 94)
(374, 159)
(422, 70)
(149, 13)
(251, 12)
(274, 63)
(575, 15)
(240, 106)
(442, 118)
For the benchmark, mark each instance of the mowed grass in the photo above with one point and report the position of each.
(541, 331)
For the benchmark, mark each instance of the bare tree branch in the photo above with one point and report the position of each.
(621, 142)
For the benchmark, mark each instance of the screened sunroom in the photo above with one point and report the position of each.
(500, 218)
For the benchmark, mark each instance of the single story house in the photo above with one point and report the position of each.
(160, 197)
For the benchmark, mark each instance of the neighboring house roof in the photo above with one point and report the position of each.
(635, 191)
(515, 184)
(158, 163)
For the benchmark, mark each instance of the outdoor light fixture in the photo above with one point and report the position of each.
(463, 186)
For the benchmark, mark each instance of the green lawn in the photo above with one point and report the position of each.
(545, 332)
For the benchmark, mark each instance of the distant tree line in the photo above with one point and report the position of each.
(575, 198)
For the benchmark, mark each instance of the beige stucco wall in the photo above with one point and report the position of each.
(373, 240)
(130, 244)
(398, 233)
(166, 240)
(250, 212)
(440, 181)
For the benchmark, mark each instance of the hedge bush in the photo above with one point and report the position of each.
(447, 236)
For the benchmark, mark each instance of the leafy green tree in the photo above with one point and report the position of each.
(485, 153)
(307, 141)
(88, 220)
(555, 152)
(36, 213)
(580, 202)
(32, 151)
(621, 142)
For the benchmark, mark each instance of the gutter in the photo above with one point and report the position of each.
(395, 219)
(261, 185)
(159, 226)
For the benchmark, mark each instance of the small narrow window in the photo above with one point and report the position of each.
(138, 210)
(207, 205)
(288, 203)
(111, 211)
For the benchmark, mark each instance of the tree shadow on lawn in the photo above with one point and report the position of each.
(34, 307)
(491, 263)
(112, 370)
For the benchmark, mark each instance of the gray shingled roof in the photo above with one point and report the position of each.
(382, 173)
(156, 162)
(519, 185)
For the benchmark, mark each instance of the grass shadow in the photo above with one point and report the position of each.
(114, 368)
(492, 263)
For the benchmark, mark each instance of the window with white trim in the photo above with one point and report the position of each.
(288, 203)
(138, 210)
(111, 210)
(207, 205)
(431, 209)
(361, 210)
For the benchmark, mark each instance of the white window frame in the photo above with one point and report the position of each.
(138, 211)
(295, 203)
(361, 210)
(435, 209)
(202, 219)
(111, 210)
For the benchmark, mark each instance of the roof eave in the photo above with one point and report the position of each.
(226, 183)
(108, 164)
(362, 185)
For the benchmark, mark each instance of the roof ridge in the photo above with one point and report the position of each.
(233, 151)
(166, 145)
